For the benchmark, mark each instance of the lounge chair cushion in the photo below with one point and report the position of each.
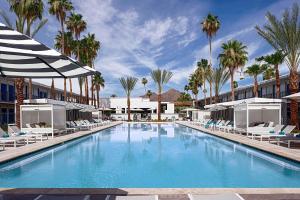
(271, 131)
(5, 135)
(281, 133)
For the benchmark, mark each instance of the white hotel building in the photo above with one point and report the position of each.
(141, 108)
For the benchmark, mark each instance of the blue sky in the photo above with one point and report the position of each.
(139, 36)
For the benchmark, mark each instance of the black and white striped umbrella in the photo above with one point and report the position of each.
(23, 57)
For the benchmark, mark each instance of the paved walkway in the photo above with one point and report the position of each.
(13, 153)
(293, 154)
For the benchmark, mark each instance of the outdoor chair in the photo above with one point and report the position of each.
(5, 138)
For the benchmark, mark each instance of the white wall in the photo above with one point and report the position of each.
(137, 102)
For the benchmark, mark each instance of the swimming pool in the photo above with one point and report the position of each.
(150, 155)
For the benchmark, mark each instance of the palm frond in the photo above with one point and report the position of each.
(6, 19)
(38, 27)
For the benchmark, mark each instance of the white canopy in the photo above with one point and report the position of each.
(249, 115)
(295, 96)
(250, 100)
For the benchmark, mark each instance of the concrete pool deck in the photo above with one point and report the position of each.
(13, 153)
(292, 154)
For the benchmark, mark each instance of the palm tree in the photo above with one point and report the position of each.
(128, 83)
(144, 82)
(203, 71)
(59, 8)
(98, 81)
(234, 55)
(255, 70)
(219, 77)
(160, 77)
(268, 73)
(69, 45)
(186, 88)
(194, 84)
(28, 16)
(275, 60)
(76, 25)
(283, 35)
(90, 49)
(210, 25)
(149, 93)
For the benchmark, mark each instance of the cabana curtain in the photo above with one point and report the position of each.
(23, 57)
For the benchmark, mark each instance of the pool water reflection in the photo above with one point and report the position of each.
(150, 155)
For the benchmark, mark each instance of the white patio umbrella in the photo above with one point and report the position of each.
(23, 57)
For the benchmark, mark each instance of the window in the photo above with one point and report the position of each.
(3, 92)
(11, 116)
(11, 93)
(3, 116)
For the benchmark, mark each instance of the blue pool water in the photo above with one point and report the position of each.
(150, 155)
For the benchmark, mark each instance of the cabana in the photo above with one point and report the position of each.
(40, 118)
(249, 113)
(226, 110)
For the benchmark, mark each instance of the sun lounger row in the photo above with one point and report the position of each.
(278, 134)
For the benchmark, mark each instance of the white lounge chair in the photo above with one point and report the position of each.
(9, 139)
(223, 125)
(265, 132)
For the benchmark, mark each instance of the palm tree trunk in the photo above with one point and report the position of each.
(19, 82)
(210, 92)
(63, 35)
(232, 85)
(128, 108)
(94, 99)
(52, 92)
(92, 90)
(80, 93)
(98, 99)
(65, 89)
(210, 67)
(277, 81)
(87, 91)
(216, 98)
(158, 106)
(294, 104)
(204, 93)
(71, 90)
(30, 89)
(255, 88)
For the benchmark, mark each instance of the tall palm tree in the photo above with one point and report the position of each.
(128, 84)
(76, 25)
(210, 25)
(69, 45)
(92, 46)
(160, 77)
(149, 93)
(144, 82)
(194, 84)
(269, 74)
(98, 81)
(283, 34)
(275, 60)
(234, 55)
(60, 8)
(28, 21)
(255, 70)
(203, 71)
(219, 77)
